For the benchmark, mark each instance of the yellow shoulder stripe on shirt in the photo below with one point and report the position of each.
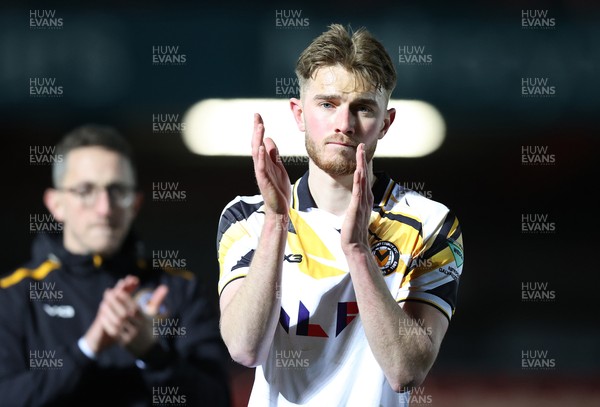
(37, 274)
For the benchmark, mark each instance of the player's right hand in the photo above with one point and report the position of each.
(271, 176)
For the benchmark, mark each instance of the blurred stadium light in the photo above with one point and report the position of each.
(223, 127)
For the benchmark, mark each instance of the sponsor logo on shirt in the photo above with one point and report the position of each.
(292, 258)
(457, 252)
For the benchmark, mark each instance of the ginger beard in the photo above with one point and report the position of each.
(340, 164)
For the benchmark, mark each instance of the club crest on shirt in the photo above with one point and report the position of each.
(386, 256)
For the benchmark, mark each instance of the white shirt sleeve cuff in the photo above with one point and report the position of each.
(84, 347)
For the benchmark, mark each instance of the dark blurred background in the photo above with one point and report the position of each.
(480, 53)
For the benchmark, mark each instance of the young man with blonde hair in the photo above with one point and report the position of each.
(340, 288)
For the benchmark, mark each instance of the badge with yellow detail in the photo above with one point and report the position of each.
(143, 296)
(386, 256)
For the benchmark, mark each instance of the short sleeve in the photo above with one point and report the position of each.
(237, 238)
(433, 275)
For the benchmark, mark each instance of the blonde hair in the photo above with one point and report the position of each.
(359, 53)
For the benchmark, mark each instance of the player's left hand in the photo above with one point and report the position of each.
(355, 235)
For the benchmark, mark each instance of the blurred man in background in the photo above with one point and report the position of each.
(87, 321)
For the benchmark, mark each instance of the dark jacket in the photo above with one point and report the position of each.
(48, 305)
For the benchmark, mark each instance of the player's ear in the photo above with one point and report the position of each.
(390, 115)
(296, 106)
(54, 202)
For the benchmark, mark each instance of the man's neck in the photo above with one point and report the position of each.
(332, 193)
(73, 247)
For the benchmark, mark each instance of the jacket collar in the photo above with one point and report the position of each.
(126, 260)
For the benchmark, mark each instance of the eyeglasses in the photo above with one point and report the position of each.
(119, 194)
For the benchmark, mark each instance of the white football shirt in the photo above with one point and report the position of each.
(320, 355)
